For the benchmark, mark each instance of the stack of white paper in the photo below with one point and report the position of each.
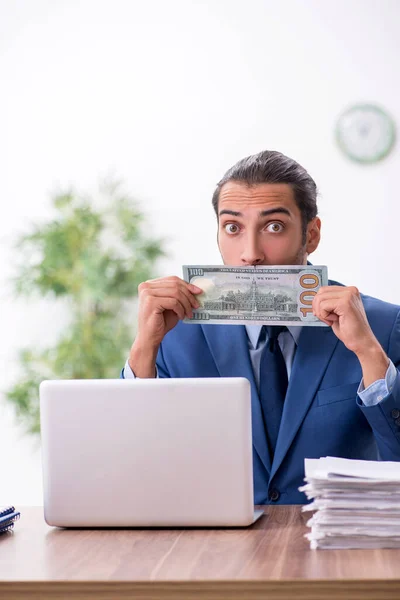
(357, 503)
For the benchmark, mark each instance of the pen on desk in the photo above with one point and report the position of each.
(6, 528)
(14, 516)
(8, 516)
(7, 511)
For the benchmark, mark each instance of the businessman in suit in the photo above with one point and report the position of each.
(316, 391)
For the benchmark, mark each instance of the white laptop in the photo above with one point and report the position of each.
(147, 453)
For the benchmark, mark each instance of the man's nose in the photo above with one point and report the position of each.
(252, 252)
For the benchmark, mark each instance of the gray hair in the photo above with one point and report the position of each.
(270, 166)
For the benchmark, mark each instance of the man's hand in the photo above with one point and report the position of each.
(162, 303)
(342, 309)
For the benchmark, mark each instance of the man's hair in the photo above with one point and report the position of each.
(269, 166)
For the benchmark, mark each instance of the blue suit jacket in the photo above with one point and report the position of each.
(322, 415)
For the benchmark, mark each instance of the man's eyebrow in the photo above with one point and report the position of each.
(234, 213)
(263, 213)
(272, 211)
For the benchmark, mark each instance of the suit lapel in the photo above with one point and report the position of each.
(229, 348)
(314, 351)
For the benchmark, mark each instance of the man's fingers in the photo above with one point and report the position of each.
(161, 281)
(194, 288)
(336, 299)
(174, 280)
(169, 293)
(172, 304)
(172, 287)
(183, 288)
(325, 308)
(337, 291)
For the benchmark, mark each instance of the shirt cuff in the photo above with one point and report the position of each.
(378, 390)
(129, 374)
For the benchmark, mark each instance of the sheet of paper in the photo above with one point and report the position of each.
(343, 467)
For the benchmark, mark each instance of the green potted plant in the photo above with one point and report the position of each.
(94, 255)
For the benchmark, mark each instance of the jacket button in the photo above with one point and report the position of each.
(274, 495)
(397, 421)
(395, 413)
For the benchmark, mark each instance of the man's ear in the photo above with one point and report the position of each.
(313, 235)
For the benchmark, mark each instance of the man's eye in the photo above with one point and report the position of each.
(275, 227)
(231, 228)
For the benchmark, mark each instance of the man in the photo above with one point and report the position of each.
(343, 395)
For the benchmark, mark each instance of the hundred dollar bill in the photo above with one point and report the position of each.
(277, 295)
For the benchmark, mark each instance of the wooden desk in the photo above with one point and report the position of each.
(270, 560)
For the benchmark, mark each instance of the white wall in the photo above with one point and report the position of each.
(167, 96)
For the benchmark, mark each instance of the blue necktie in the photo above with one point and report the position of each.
(273, 383)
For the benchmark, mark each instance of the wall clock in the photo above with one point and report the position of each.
(366, 133)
